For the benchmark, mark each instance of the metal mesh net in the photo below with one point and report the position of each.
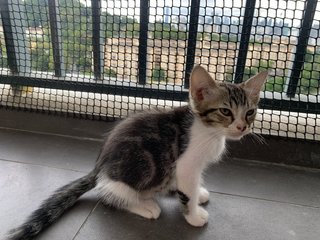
(105, 59)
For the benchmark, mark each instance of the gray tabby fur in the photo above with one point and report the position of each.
(145, 153)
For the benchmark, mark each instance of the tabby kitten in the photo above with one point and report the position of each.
(160, 151)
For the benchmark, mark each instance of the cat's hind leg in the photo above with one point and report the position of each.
(146, 208)
(122, 196)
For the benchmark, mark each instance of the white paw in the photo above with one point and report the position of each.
(147, 209)
(197, 218)
(203, 195)
(153, 207)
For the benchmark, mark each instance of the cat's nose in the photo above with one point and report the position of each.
(241, 128)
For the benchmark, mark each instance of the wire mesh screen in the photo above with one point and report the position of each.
(105, 59)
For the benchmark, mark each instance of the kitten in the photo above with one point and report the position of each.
(159, 151)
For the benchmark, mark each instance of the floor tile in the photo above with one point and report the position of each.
(231, 218)
(25, 186)
(47, 150)
(293, 185)
(30, 121)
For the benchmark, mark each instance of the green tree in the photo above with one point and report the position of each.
(76, 27)
(158, 74)
(224, 37)
(110, 72)
(274, 84)
(309, 82)
(161, 30)
(41, 56)
(115, 25)
(37, 13)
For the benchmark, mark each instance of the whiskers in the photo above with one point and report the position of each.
(255, 137)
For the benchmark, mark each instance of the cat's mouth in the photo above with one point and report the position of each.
(237, 135)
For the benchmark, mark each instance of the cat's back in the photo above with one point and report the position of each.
(153, 131)
(151, 123)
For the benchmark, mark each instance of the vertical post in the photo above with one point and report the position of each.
(14, 27)
(55, 29)
(143, 38)
(192, 40)
(244, 40)
(301, 49)
(97, 41)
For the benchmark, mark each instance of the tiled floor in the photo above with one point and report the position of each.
(249, 201)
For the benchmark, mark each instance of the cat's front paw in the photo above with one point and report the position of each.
(203, 195)
(197, 218)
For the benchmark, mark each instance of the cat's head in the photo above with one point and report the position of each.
(230, 108)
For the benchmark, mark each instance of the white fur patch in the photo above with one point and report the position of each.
(206, 143)
(206, 146)
(116, 193)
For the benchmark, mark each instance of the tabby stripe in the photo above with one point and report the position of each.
(183, 198)
(205, 113)
(234, 99)
(236, 95)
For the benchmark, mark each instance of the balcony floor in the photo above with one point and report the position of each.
(248, 201)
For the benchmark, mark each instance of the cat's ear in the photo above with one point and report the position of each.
(202, 84)
(255, 84)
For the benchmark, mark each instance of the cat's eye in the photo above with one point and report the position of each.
(250, 112)
(225, 111)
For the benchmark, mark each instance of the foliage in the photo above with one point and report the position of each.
(37, 13)
(309, 82)
(228, 76)
(110, 72)
(41, 57)
(119, 26)
(76, 37)
(158, 74)
(223, 37)
(275, 84)
(161, 30)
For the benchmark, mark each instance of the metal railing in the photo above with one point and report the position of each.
(21, 73)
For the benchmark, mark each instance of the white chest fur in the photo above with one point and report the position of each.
(206, 144)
